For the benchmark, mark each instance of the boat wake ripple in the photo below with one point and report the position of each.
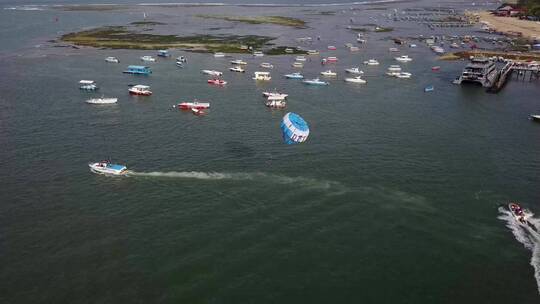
(254, 176)
(526, 236)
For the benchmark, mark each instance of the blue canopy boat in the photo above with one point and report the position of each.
(138, 69)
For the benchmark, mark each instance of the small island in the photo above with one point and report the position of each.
(279, 20)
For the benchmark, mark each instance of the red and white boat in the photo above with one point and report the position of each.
(140, 90)
(217, 82)
(329, 60)
(332, 48)
(193, 105)
(435, 68)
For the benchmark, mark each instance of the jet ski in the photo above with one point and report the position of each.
(521, 215)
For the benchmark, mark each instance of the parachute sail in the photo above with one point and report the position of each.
(294, 128)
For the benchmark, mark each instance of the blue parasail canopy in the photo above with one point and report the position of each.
(294, 128)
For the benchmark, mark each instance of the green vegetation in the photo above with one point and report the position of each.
(120, 37)
(279, 20)
(280, 50)
(359, 29)
(533, 7)
(149, 23)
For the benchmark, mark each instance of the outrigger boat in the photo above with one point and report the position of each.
(521, 215)
(107, 168)
(294, 76)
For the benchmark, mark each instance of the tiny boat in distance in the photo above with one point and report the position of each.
(198, 112)
(212, 72)
(371, 62)
(298, 64)
(329, 73)
(403, 58)
(332, 48)
(394, 68)
(429, 88)
(393, 49)
(220, 82)
(138, 69)
(354, 70)
(357, 79)
(275, 95)
(435, 68)
(237, 69)
(315, 81)
(404, 75)
(105, 167)
(300, 58)
(294, 76)
(354, 49)
(181, 59)
(258, 54)
(329, 60)
(148, 59)
(112, 60)
(313, 52)
(219, 55)
(140, 89)
(266, 65)
(88, 85)
(289, 51)
(163, 53)
(102, 101)
(276, 103)
(238, 61)
(264, 76)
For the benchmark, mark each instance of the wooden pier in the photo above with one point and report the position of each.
(521, 70)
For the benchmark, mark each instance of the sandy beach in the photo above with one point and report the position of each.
(529, 29)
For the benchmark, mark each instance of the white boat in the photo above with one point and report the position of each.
(275, 95)
(237, 69)
(294, 76)
(148, 59)
(219, 55)
(371, 62)
(403, 58)
(357, 79)
(355, 70)
(264, 76)
(300, 58)
(289, 51)
(258, 54)
(181, 59)
(412, 45)
(313, 52)
(105, 167)
(361, 40)
(297, 64)
(266, 65)
(329, 73)
(354, 49)
(88, 85)
(315, 81)
(212, 72)
(394, 68)
(112, 60)
(393, 49)
(238, 61)
(100, 101)
(140, 90)
(522, 216)
(404, 75)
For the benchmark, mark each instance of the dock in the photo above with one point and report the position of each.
(522, 71)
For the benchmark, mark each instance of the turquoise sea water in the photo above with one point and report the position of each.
(393, 199)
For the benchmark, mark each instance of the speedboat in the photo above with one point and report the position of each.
(100, 101)
(429, 88)
(404, 58)
(163, 53)
(393, 49)
(258, 54)
(521, 215)
(237, 69)
(294, 76)
(217, 82)
(181, 59)
(88, 85)
(394, 68)
(262, 76)
(315, 81)
(219, 55)
(298, 64)
(329, 73)
(140, 90)
(300, 58)
(371, 62)
(357, 79)
(112, 60)
(148, 59)
(105, 167)
(186, 105)
(238, 61)
(266, 65)
(332, 48)
(212, 72)
(355, 70)
(404, 75)
(275, 95)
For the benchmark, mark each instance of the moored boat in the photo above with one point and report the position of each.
(188, 105)
(138, 69)
(297, 64)
(88, 85)
(258, 54)
(357, 79)
(403, 58)
(266, 65)
(404, 75)
(112, 60)
(354, 70)
(219, 55)
(264, 76)
(332, 48)
(435, 68)
(534, 117)
(140, 89)
(275, 95)
(294, 76)
(163, 53)
(237, 69)
(102, 101)
(211, 72)
(315, 81)
(313, 52)
(238, 62)
(393, 49)
(371, 62)
(216, 81)
(107, 168)
(148, 59)
(329, 73)
(429, 88)
(300, 58)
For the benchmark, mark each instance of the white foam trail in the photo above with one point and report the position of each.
(240, 176)
(526, 236)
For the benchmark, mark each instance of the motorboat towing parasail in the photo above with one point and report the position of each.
(521, 215)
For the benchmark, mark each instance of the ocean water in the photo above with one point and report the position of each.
(394, 198)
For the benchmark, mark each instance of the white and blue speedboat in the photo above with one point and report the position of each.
(88, 85)
(295, 76)
(105, 167)
(315, 81)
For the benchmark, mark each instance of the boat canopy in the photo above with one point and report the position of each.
(116, 167)
(87, 82)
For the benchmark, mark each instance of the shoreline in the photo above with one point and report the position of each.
(510, 25)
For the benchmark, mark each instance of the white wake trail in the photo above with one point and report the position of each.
(526, 236)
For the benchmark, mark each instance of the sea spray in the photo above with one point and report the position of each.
(526, 236)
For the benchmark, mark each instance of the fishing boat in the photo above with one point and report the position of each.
(371, 62)
(238, 61)
(357, 79)
(393, 49)
(435, 68)
(332, 48)
(300, 58)
(403, 58)
(429, 88)
(297, 64)
(148, 59)
(258, 54)
(187, 105)
(212, 72)
(88, 85)
(237, 69)
(329, 73)
(138, 70)
(112, 60)
(181, 59)
(107, 168)
(163, 53)
(216, 81)
(266, 65)
(219, 55)
(264, 76)
(354, 70)
(313, 52)
(404, 75)
(102, 101)
(294, 76)
(140, 90)
(315, 81)
(534, 117)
